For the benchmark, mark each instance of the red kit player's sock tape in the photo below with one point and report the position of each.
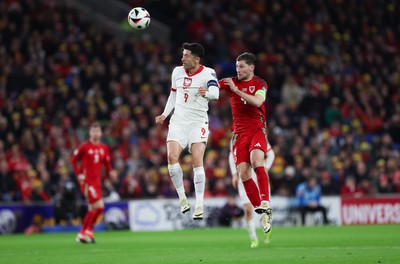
(263, 184)
(252, 192)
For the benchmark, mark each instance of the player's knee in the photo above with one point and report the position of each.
(244, 176)
(197, 163)
(257, 163)
(173, 158)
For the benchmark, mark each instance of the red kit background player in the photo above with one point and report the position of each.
(249, 141)
(87, 161)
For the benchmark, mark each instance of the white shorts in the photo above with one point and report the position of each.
(267, 164)
(187, 135)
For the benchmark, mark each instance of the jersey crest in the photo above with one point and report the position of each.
(187, 82)
(252, 89)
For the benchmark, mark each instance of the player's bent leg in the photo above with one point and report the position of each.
(97, 210)
(257, 159)
(251, 229)
(244, 171)
(174, 150)
(198, 149)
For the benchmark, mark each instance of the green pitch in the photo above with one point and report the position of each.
(354, 244)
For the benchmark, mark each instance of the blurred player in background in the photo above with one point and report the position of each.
(91, 156)
(193, 85)
(249, 141)
(248, 208)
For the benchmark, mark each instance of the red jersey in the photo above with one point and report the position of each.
(246, 117)
(92, 156)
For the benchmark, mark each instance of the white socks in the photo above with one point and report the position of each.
(251, 229)
(175, 171)
(199, 185)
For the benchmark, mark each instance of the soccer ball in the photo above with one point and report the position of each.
(139, 18)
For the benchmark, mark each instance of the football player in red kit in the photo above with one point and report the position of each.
(249, 141)
(92, 155)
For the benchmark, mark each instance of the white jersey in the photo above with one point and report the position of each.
(190, 107)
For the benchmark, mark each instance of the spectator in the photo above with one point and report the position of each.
(349, 189)
(230, 213)
(309, 199)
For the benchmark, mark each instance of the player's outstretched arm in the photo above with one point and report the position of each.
(168, 108)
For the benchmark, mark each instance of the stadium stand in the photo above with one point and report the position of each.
(333, 101)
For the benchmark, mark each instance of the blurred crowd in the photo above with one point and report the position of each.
(333, 70)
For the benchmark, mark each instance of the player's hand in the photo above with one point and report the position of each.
(160, 119)
(114, 175)
(202, 91)
(235, 180)
(81, 178)
(231, 84)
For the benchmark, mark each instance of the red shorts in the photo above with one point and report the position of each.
(92, 193)
(244, 143)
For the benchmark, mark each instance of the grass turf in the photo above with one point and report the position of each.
(348, 244)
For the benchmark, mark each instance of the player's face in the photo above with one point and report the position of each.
(95, 134)
(189, 61)
(244, 71)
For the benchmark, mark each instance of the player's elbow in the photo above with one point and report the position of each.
(212, 93)
(257, 103)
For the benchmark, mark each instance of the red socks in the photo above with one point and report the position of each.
(263, 184)
(95, 214)
(252, 192)
(90, 219)
(85, 222)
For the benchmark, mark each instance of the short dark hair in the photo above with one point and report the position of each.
(248, 57)
(95, 125)
(195, 48)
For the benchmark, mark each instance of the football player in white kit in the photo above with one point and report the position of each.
(193, 85)
(248, 208)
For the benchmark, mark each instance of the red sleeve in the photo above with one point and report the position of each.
(262, 86)
(107, 160)
(222, 85)
(77, 156)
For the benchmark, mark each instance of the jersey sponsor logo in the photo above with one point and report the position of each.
(212, 83)
(252, 89)
(257, 145)
(187, 82)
